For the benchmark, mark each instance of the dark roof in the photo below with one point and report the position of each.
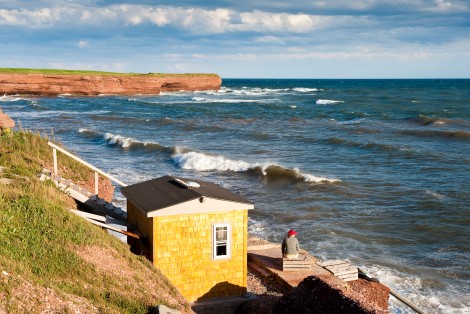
(165, 191)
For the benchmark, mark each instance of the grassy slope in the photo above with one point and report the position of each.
(86, 72)
(49, 251)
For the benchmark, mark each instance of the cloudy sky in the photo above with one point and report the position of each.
(242, 38)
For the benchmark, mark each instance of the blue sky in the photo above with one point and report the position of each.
(244, 39)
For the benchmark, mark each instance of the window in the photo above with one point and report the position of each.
(221, 234)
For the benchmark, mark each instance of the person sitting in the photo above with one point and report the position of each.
(290, 245)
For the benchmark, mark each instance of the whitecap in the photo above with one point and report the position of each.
(226, 100)
(199, 99)
(316, 179)
(328, 102)
(203, 162)
(293, 106)
(124, 142)
(434, 194)
(191, 160)
(6, 98)
(305, 90)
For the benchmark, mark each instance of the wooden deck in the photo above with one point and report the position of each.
(269, 259)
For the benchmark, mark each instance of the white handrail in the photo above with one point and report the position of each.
(55, 147)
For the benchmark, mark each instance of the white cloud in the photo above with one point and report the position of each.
(82, 43)
(272, 22)
(270, 40)
(195, 20)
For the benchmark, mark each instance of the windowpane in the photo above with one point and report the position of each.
(221, 234)
(221, 241)
(221, 250)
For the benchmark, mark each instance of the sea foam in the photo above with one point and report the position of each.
(328, 102)
(305, 90)
(124, 142)
(190, 160)
(129, 142)
(226, 100)
(6, 98)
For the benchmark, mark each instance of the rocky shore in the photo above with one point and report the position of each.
(315, 294)
(92, 85)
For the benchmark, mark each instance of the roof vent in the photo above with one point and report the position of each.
(188, 185)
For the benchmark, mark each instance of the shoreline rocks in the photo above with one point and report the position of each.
(6, 122)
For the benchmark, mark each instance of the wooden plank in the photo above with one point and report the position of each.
(331, 263)
(342, 270)
(88, 215)
(292, 265)
(111, 220)
(131, 234)
(297, 264)
(259, 270)
(263, 247)
(349, 278)
(339, 267)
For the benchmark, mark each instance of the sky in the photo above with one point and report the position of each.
(241, 38)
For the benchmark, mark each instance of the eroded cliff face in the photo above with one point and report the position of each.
(90, 85)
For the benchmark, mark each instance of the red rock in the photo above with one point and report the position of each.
(5, 121)
(146, 84)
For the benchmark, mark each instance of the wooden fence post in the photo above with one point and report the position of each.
(96, 182)
(54, 154)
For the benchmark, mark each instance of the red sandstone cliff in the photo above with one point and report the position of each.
(147, 84)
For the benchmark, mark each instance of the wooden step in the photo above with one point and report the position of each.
(340, 269)
(293, 264)
(259, 270)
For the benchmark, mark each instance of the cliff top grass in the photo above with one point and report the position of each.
(52, 260)
(91, 72)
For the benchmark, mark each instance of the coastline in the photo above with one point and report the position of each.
(37, 84)
(365, 233)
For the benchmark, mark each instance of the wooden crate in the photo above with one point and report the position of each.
(341, 269)
(293, 264)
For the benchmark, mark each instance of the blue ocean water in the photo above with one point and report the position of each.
(371, 171)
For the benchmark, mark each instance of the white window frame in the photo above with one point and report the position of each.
(228, 242)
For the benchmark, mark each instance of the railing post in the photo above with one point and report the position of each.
(54, 154)
(96, 183)
(106, 175)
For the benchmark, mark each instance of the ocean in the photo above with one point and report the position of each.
(375, 172)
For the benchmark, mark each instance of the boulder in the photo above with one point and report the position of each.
(5, 121)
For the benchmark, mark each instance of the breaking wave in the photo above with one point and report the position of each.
(305, 90)
(130, 143)
(88, 132)
(7, 98)
(226, 100)
(191, 160)
(328, 102)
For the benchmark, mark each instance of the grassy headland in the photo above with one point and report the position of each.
(52, 259)
(91, 72)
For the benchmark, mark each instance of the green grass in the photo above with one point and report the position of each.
(40, 240)
(90, 72)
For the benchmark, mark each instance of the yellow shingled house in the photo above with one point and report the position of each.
(195, 232)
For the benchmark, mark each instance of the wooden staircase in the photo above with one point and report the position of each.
(98, 205)
(103, 213)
